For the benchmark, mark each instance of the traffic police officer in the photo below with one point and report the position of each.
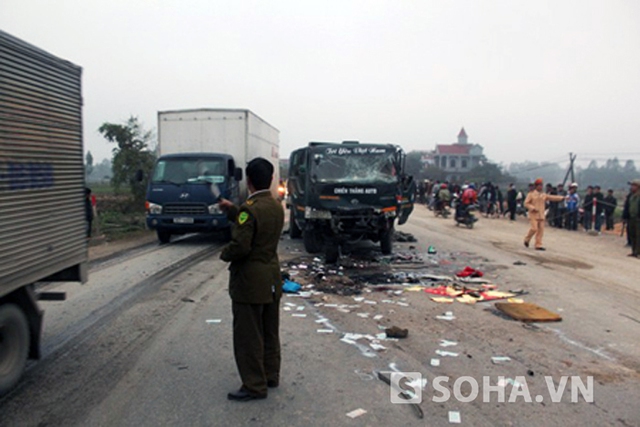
(255, 283)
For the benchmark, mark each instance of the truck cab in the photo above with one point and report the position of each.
(341, 193)
(184, 191)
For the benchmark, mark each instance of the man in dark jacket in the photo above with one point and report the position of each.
(587, 206)
(255, 283)
(598, 199)
(512, 194)
(610, 204)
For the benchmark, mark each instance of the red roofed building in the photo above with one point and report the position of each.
(459, 158)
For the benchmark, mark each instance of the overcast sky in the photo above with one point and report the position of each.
(529, 80)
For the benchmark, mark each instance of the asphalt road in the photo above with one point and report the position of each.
(134, 345)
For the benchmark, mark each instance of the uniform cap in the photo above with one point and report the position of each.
(538, 181)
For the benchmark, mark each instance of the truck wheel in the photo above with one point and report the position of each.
(294, 230)
(386, 241)
(312, 242)
(14, 345)
(331, 253)
(164, 236)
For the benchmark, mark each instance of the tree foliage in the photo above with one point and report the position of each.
(610, 175)
(489, 172)
(130, 155)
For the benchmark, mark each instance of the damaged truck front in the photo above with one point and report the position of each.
(343, 193)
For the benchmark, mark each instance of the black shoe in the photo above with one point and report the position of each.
(526, 244)
(540, 249)
(273, 383)
(243, 395)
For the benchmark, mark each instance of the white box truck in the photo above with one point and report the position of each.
(42, 193)
(197, 150)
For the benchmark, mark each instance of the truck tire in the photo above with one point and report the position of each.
(331, 253)
(294, 230)
(312, 242)
(14, 345)
(164, 236)
(386, 241)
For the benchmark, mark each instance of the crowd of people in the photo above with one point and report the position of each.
(563, 206)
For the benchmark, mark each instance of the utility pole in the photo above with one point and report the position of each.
(570, 171)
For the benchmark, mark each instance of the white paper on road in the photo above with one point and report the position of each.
(447, 343)
(446, 353)
(356, 413)
(214, 320)
(454, 417)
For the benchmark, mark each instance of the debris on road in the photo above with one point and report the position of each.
(356, 413)
(469, 272)
(447, 316)
(519, 263)
(403, 393)
(291, 287)
(210, 321)
(497, 360)
(447, 343)
(396, 332)
(454, 417)
(444, 353)
(527, 312)
(435, 362)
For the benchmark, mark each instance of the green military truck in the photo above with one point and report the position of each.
(344, 192)
(42, 208)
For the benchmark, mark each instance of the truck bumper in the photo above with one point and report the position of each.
(192, 224)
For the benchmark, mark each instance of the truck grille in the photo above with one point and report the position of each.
(184, 209)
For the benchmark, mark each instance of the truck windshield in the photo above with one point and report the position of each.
(185, 170)
(354, 164)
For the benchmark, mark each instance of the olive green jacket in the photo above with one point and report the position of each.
(253, 251)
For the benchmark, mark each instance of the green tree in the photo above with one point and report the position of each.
(413, 163)
(130, 156)
(489, 172)
(88, 166)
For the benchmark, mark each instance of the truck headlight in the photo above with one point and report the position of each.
(154, 209)
(311, 213)
(215, 209)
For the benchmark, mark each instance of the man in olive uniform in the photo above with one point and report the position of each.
(255, 283)
(535, 204)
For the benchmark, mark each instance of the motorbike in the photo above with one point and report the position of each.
(464, 215)
(441, 209)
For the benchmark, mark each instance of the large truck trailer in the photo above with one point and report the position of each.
(42, 193)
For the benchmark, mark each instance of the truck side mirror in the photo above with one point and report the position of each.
(139, 175)
(237, 174)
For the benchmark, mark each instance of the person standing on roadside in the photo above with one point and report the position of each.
(562, 207)
(255, 283)
(610, 204)
(587, 207)
(535, 204)
(512, 195)
(633, 210)
(598, 199)
(572, 202)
